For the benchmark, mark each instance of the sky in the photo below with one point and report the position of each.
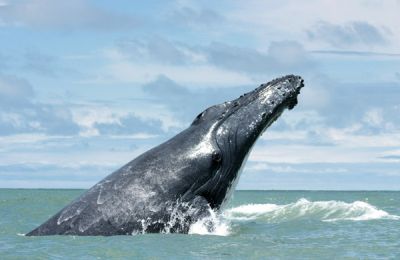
(86, 86)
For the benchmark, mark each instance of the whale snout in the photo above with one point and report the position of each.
(281, 91)
(290, 83)
(296, 80)
(296, 83)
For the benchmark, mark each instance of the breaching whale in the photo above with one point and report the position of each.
(177, 183)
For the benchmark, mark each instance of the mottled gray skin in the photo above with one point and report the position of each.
(171, 186)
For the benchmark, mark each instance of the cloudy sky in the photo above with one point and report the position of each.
(85, 86)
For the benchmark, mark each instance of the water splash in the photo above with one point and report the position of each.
(305, 209)
(220, 224)
(211, 225)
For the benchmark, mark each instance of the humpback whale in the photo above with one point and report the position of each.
(177, 183)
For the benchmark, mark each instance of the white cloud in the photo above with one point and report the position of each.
(290, 19)
(90, 116)
(10, 140)
(61, 151)
(13, 119)
(374, 117)
(216, 64)
(87, 117)
(46, 184)
(63, 15)
(311, 118)
(192, 15)
(122, 69)
(14, 89)
(344, 145)
(351, 34)
(284, 168)
(311, 154)
(134, 136)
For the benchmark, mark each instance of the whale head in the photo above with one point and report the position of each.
(228, 131)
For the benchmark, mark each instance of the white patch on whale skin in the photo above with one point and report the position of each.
(100, 199)
(266, 95)
(222, 131)
(205, 146)
(69, 213)
(111, 209)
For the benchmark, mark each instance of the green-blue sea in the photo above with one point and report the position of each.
(254, 225)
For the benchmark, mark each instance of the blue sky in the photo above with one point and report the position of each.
(86, 86)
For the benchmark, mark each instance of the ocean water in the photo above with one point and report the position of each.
(254, 225)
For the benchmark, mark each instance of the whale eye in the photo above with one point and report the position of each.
(216, 157)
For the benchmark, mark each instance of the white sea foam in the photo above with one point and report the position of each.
(220, 224)
(327, 211)
(305, 209)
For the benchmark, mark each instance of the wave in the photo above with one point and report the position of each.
(326, 211)
(305, 209)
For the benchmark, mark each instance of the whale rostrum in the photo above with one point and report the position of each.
(178, 182)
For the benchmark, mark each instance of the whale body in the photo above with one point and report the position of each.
(178, 182)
